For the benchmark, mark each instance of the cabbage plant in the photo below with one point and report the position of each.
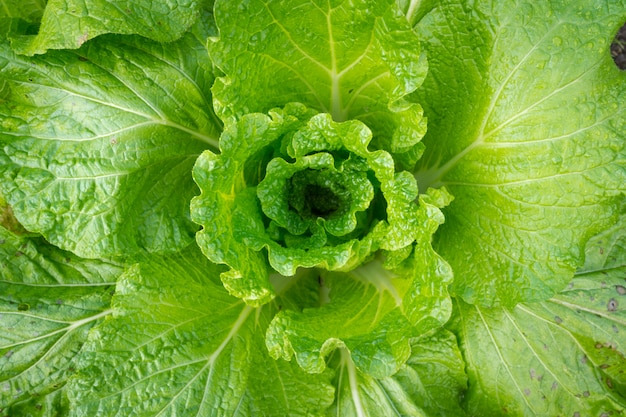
(312, 208)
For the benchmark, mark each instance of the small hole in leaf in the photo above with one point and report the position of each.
(618, 48)
(612, 305)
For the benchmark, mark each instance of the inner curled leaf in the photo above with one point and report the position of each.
(311, 192)
(321, 199)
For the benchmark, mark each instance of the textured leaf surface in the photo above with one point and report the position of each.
(223, 207)
(526, 122)
(309, 191)
(354, 59)
(370, 311)
(566, 355)
(178, 344)
(49, 299)
(358, 315)
(429, 384)
(98, 143)
(67, 24)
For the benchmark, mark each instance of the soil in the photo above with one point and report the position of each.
(618, 48)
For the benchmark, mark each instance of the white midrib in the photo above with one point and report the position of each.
(435, 177)
(72, 326)
(243, 316)
(354, 384)
(413, 6)
(335, 95)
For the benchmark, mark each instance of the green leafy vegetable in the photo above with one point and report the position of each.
(333, 207)
(178, 343)
(353, 60)
(308, 208)
(49, 299)
(121, 123)
(525, 131)
(582, 328)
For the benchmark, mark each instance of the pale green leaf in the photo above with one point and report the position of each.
(49, 299)
(430, 384)
(98, 143)
(361, 316)
(566, 355)
(526, 121)
(370, 311)
(179, 344)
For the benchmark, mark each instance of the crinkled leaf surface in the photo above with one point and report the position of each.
(565, 356)
(526, 121)
(98, 143)
(54, 404)
(49, 299)
(367, 320)
(266, 189)
(369, 311)
(67, 24)
(354, 59)
(223, 205)
(179, 344)
(429, 384)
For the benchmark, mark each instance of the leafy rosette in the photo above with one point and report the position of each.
(305, 215)
(295, 189)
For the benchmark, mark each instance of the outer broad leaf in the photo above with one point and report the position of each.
(54, 404)
(67, 24)
(49, 300)
(97, 144)
(354, 60)
(516, 359)
(179, 344)
(526, 121)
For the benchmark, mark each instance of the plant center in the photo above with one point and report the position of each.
(320, 201)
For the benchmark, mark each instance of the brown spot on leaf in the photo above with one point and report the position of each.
(612, 305)
(82, 39)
